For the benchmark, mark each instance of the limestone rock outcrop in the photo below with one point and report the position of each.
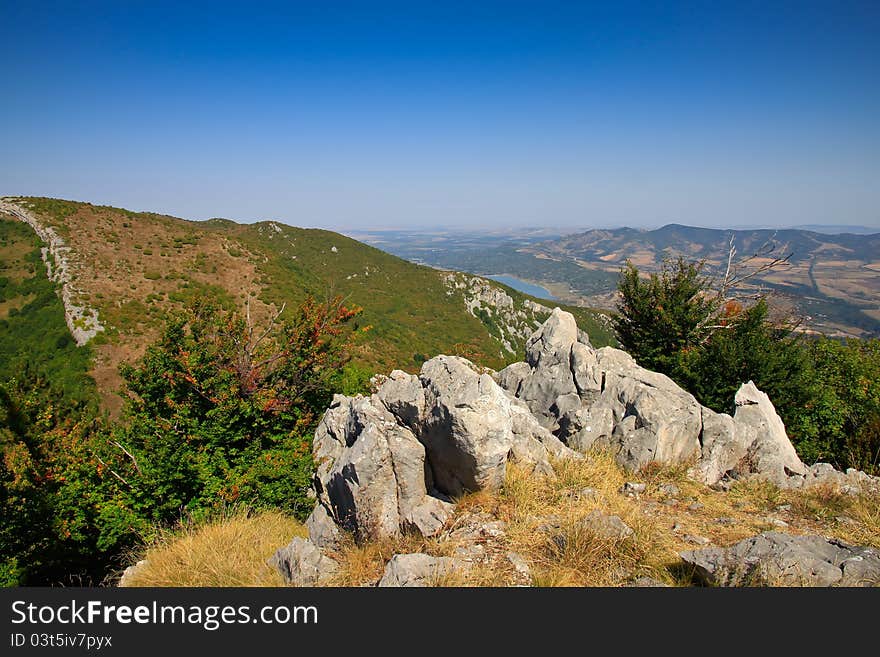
(370, 476)
(62, 269)
(301, 563)
(757, 425)
(591, 398)
(602, 398)
(409, 570)
(391, 462)
(394, 461)
(777, 559)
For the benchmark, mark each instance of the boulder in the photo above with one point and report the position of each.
(472, 427)
(602, 398)
(583, 428)
(512, 376)
(773, 558)
(467, 430)
(722, 447)
(370, 472)
(851, 482)
(403, 396)
(417, 570)
(322, 529)
(770, 452)
(302, 563)
(549, 375)
(608, 527)
(655, 420)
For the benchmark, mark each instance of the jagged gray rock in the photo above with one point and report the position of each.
(403, 395)
(655, 419)
(773, 558)
(723, 448)
(302, 563)
(770, 452)
(608, 527)
(322, 529)
(851, 482)
(549, 375)
(390, 462)
(602, 398)
(371, 472)
(472, 428)
(417, 570)
(467, 430)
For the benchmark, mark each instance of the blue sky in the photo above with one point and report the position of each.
(366, 115)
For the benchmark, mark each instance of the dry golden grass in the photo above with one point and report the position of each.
(228, 551)
(543, 519)
(572, 555)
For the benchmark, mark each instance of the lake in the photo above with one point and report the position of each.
(522, 286)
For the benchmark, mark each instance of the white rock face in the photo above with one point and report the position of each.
(61, 268)
(757, 424)
(370, 475)
(389, 463)
(483, 298)
(591, 397)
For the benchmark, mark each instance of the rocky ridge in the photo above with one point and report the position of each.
(492, 305)
(61, 267)
(393, 462)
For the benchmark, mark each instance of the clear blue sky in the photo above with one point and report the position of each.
(358, 115)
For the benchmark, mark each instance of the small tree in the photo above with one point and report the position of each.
(664, 315)
(749, 348)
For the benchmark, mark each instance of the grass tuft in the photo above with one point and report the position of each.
(230, 550)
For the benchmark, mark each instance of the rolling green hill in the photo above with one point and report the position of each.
(134, 269)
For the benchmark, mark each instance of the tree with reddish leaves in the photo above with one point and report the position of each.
(221, 411)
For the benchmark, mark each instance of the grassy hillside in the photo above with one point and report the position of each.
(138, 268)
(34, 340)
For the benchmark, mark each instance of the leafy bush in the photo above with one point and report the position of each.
(840, 423)
(221, 412)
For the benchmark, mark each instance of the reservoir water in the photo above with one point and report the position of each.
(522, 286)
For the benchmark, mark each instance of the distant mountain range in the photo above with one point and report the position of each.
(832, 280)
(831, 229)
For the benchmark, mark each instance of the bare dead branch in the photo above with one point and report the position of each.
(129, 455)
